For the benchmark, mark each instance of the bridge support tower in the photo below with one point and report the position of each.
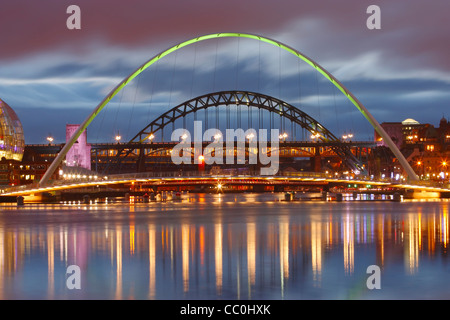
(316, 161)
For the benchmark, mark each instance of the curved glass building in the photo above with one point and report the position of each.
(12, 142)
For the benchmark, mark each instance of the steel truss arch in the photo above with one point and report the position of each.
(242, 98)
(245, 99)
(386, 138)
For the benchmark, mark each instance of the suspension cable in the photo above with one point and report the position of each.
(335, 109)
(318, 95)
(132, 108)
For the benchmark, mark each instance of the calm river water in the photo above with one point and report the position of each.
(232, 246)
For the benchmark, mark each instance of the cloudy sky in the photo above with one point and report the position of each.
(52, 76)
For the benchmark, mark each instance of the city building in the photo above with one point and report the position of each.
(12, 141)
(19, 164)
(80, 153)
(12, 144)
(426, 147)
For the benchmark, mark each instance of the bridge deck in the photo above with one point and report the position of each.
(204, 178)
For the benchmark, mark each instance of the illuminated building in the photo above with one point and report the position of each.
(408, 132)
(426, 147)
(80, 153)
(12, 141)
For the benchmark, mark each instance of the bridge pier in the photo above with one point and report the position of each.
(445, 195)
(20, 201)
(316, 163)
(288, 196)
(141, 159)
(426, 194)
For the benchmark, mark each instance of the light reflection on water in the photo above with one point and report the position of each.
(232, 246)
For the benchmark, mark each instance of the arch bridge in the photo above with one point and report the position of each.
(245, 99)
(386, 138)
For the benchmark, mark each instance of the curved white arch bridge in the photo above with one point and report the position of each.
(386, 138)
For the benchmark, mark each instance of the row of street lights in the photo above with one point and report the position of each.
(442, 174)
(250, 136)
(347, 136)
(118, 137)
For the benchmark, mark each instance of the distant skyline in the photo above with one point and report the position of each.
(52, 76)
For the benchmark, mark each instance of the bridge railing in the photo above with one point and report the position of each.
(201, 174)
(432, 184)
(173, 174)
(231, 173)
(20, 188)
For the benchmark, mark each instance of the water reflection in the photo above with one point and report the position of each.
(284, 251)
(185, 252)
(316, 251)
(218, 256)
(251, 253)
(209, 249)
(349, 242)
(118, 253)
(152, 261)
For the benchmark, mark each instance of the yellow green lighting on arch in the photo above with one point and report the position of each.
(161, 55)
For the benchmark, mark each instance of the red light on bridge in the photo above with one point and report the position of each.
(201, 163)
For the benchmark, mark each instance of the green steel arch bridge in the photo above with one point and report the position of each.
(287, 111)
(323, 138)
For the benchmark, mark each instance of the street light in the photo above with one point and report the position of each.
(315, 136)
(118, 138)
(201, 163)
(346, 136)
(250, 136)
(151, 136)
(50, 139)
(283, 136)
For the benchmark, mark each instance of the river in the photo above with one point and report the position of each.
(226, 246)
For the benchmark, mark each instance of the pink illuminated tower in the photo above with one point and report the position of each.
(80, 153)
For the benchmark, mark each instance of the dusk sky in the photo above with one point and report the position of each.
(52, 76)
